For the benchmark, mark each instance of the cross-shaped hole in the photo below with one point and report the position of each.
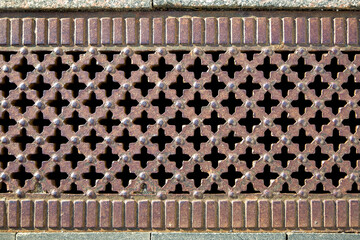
(58, 67)
(179, 190)
(58, 103)
(162, 102)
(144, 121)
(301, 68)
(6, 121)
(74, 157)
(284, 121)
(143, 157)
(39, 122)
(179, 86)
(214, 157)
(319, 121)
(57, 139)
(214, 121)
(335, 103)
(93, 139)
(197, 175)
(284, 156)
(127, 103)
(335, 139)
(92, 102)
(125, 175)
(318, 157)
(231, 102)
(38, 157)
(125, 139)
(6, 86)
(231, 175)
(108, 157)
(319, 189)
(231, 140)
(353, 156)
(197, 139)
(197, 103)
(302, 139)
(249, 86)
(284, 85)
(56, 176)
(267, 175)
(21, 175)
(22, 139)
(214, 86)
(161, 139)
(92, 176)
(267, 140)
(93, 68)
(267, 67)
(40, 86)
(351, 85)
(301, 103)
(5, 157)
(335, 175)
(179, 157)
(197, 68)
(249, 157)
(162, 68)
(318, 85)
(231, 68)
(109, 85)
(161, 175)
(75, 121)
(127, 67)
(249, 121)
(301, 175)
(267, 103)
(109, 122)
(23, 68)
(75, 86)
(179, 121)
(334, 68)
(144, 85)
(23, 102)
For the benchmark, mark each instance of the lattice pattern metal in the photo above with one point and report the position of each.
(179, 122)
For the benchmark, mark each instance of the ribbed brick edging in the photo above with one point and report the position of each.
(211, 31)
(180, 214)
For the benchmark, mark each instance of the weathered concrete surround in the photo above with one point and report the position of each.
(76, 5)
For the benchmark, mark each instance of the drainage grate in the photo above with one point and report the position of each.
(195, 123)
(174, 122)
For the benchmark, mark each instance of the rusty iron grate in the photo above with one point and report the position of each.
(119, 125)
(179, 122)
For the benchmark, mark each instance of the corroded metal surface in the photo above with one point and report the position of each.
(193, 125)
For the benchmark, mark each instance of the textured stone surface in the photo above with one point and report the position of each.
(74, 4)
(218, 236)
(323, 236)
(7, 236)
(82, 236)
(257, 3)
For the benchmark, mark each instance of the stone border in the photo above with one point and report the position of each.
(176, 236)
(189, 215)
(85, 5)
(185, 31)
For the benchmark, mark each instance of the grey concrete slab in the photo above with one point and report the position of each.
(83, 236)
(218, 236)
(7, 236)
(259, 4)
(323, 236)
(74, 4)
